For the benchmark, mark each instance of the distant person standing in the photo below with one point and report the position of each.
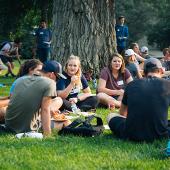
(121, 34)
(43, 40)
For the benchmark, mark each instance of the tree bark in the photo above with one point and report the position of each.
(84, 28)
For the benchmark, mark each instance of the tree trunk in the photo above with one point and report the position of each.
(84, 28)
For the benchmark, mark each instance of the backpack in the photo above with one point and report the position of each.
(4, 130)
(84, 127)
(4, 43)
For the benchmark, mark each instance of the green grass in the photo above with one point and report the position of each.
(69, 152)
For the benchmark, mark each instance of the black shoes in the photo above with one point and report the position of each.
(7, 75)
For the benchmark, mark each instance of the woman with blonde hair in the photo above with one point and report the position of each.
(112, 81)
(75, 88)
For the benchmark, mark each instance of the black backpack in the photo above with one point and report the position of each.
(4, 130)
(81, 127)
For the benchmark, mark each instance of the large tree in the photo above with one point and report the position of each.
(84, 28)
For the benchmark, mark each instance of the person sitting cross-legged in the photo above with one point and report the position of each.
(75, 88)
(31, 94)
(112, 82)
(144, 109)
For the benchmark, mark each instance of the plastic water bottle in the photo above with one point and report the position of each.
(94, 83)
(74, 108)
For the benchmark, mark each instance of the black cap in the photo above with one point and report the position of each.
(53, 66)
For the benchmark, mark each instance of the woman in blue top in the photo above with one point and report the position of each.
(75, 88)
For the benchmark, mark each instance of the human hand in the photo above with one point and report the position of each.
(120, 92)
(74, 79)
(73, 100)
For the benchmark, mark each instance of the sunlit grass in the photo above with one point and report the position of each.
(69, 152)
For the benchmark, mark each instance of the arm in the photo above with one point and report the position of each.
(87, 90)
(102, 88)
(123, 110)
(86, 93)
(139, 75)
(45, 115)
(139, 57)
(65, 92)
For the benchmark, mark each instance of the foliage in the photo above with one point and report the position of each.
(139, 17)
(148, 18)
(26, 30)
(19, 18)
(144, 18)
(160, 31)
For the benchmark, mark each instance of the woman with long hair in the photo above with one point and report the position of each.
(112, 81)
(75, 88)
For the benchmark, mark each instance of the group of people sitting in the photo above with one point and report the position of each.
(41, 90)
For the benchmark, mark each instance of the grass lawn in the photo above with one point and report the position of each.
(69, 152)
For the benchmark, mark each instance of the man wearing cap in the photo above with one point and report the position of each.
(121, 34)
(31, 94)
(144, 109)
(145, 52)
(132, 64)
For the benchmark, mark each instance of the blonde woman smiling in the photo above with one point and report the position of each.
(75, 88)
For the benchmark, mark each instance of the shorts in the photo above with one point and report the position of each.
(117, 126)
(6, 59)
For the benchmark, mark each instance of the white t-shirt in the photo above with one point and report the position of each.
(7, 48)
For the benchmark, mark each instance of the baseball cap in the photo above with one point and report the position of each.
(129, 52)
(152, 63)
(53, 66)
(144, 49)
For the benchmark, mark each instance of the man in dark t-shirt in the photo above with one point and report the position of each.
(144, 109)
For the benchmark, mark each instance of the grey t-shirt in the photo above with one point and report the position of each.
(26, 101)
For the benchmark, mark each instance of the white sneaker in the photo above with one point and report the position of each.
(30, 135)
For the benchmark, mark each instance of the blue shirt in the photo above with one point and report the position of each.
(63, 83)
(44, 36)
(121, 35)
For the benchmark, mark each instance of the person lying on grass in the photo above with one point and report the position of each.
(144, 109)
(30, 94)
